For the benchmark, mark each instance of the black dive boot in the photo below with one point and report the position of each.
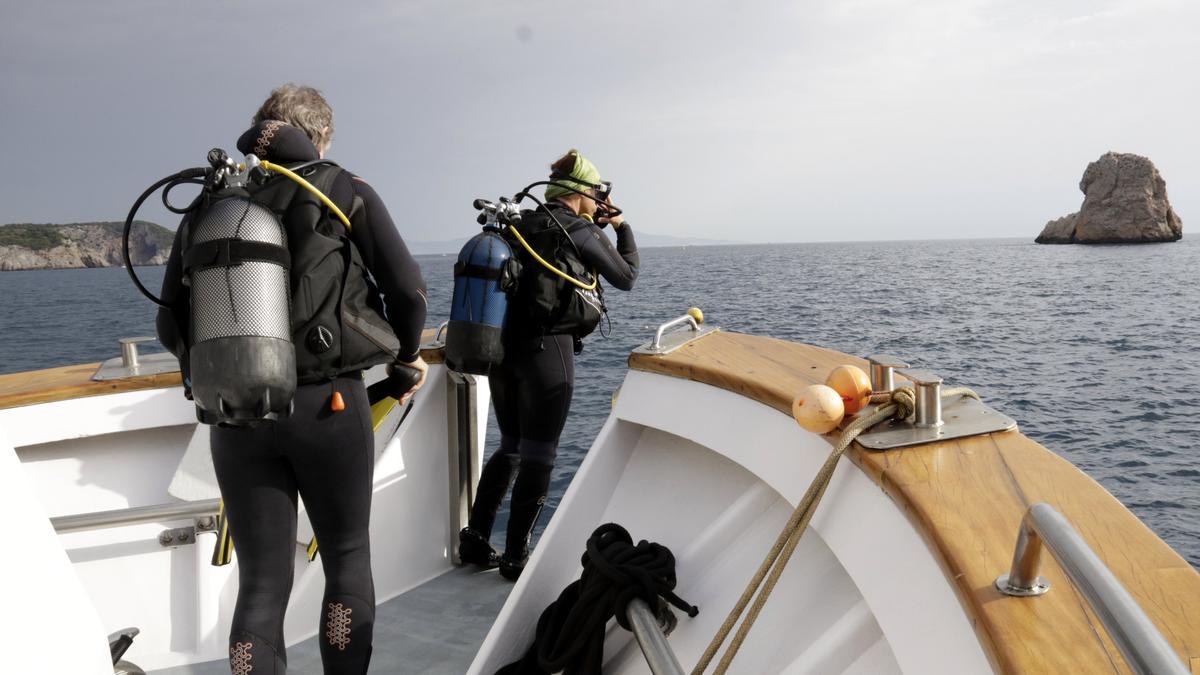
(473, 545)
(528, 498)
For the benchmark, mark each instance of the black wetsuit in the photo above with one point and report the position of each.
(531, 391)
(325, 457)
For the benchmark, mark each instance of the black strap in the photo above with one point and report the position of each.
(477, 271)
(230, 252)
(297, 168)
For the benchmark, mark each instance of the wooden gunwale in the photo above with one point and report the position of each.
(71, 382)
(966, 498)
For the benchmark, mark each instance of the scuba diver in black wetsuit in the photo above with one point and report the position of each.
(324, 450)
(531, 388)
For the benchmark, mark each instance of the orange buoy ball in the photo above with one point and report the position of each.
(818, 409)
(853, 385)
(696, 314)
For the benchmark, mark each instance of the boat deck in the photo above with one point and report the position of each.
(967, 497)
(435, 628)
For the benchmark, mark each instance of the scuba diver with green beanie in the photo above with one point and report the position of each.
(548, 317)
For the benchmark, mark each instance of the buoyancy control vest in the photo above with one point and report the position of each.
(332, 310)
(545, 303)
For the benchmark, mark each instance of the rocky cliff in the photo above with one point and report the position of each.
(1125, 201)
(32, 247)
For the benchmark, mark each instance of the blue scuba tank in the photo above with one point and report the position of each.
(483, 276)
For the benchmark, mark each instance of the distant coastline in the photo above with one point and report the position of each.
(42, 246)
(644, 240)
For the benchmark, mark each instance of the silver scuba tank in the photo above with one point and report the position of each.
(242, 364)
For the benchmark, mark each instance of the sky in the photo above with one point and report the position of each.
(759, 122)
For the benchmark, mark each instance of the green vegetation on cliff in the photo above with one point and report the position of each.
(35, 237)
(43, 236)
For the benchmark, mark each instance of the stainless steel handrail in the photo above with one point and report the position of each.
(135, 516)
(651, 639)
(462, 435)
(658, 334)
(1144, 647)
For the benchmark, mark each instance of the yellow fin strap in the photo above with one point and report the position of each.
(552, 268)
(223, 551)
(270, 166)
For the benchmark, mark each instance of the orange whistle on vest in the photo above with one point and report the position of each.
(337, 403)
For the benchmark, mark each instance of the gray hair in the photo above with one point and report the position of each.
(301, 107)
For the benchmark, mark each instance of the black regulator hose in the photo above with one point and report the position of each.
(609, 209)
(525, 193)
(186, 176)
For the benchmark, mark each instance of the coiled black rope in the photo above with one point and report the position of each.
(570, 631)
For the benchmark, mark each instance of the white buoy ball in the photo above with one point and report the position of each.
(818, 409)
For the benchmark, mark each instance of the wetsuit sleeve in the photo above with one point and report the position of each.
(618, 265)
(394, 269)
(171, 324)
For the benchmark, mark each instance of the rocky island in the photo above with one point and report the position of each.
(25, 246)
(1125, 201)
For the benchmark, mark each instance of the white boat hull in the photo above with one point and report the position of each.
(714, 476)
(122, 450)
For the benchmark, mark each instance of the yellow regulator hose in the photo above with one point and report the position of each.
(552, 268)
(270, 166)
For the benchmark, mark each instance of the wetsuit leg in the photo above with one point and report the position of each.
(544, 391)
(328, 457)
(333, 456)
(493, 485)
(498, 471)
(528, 499)
(259, 490)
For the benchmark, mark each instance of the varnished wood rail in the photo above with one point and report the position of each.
(966, 498)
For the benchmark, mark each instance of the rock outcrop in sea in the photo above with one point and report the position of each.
(1125, 201)
(34, 247)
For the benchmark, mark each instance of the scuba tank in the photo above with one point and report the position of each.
(237, 356)
(484, 276)
(242, 363)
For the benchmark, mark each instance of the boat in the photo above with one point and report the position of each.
(946, 542)
(96, 459)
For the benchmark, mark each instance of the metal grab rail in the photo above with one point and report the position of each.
(1143, 646)
(651, 639)
(135, 516)
(658, 334)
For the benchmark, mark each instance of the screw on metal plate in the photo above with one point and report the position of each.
(178, 536)
(132, 363)
(933, 419)
(665, 342)
(1038, 587)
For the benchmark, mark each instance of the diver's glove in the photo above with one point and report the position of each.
(403, 380)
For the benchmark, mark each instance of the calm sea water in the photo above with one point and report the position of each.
(1092, 349)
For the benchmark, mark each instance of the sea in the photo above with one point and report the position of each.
(1094, 350)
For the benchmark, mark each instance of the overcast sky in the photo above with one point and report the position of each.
(772, 121)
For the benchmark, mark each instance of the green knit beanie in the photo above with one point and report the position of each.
(584, 170)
